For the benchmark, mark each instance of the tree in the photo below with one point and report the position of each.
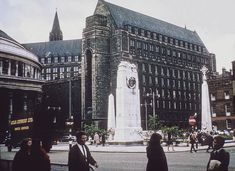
(154, 123)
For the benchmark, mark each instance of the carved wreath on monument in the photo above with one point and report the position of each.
(131, 82)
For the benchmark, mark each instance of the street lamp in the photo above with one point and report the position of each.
(152, 93)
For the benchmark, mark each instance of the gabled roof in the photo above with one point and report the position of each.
(123, 16)
(55, 48)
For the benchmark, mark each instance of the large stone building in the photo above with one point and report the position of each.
(20, 87)
(221, 91)
(168, 57)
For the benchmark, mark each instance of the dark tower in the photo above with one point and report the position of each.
(56, 33)
(95, 78)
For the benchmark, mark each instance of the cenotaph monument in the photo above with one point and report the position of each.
(206, 125)
(127, 119)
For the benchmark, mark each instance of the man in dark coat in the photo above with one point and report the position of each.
(79, 155)
(219, 158)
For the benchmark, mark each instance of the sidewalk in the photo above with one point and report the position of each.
(134, 149)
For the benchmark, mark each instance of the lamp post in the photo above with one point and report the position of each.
(152, 93)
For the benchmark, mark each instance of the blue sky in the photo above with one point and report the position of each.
(31, 20)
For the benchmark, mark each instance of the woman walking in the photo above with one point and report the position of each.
(155, 154)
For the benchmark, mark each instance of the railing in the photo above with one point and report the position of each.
(6, 165)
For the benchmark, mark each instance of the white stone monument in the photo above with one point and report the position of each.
(206, 124)
(111, 118)
(128, 122)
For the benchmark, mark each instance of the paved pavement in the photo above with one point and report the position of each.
(134, 148)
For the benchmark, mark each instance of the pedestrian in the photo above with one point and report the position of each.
(170, 142)
(103, 139)
(96, 139)
(40, 161)
(79, 155)
(209, 138)
(22, 157)
(219, 158)
(155, 154)
(192, 141)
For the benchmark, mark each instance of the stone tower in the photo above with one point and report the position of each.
(56, 33)
(95, 70)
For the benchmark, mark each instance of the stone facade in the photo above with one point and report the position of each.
(169, 59)
(222, 100)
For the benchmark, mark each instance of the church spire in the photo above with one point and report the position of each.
(56, 33)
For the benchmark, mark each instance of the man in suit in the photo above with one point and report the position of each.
(219, 158)
(79, 155)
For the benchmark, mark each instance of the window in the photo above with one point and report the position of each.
(228, 123)
(150, 80)
(150, 68)
(76, 58)
(48, 60)
(42, 60)
(144, 80)
(226, 95)
(48, 70)
(143, 67)
(48, 77)
(54, 70)
(162, 82)
(62, 69)
(132, 43)
(75, 69)
(156, 71)
(69, 58)
(156, 80)
(68, 69)
(212, 97)
(62, 59)
(54, 76)
(174, 105)
(55, 59)
(227, 109)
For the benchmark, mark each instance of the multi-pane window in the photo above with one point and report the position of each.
(68, 69)
(69, 58)
(76, 58)
(75, 68)
(62, 60)
(62, 69)
(54, 70)
(48, 70)
(156, 71)
(48, 60)
(132, 43)
(55, 59)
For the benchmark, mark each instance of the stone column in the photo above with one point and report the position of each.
(17, 69)
(0, 67)
(9, 68)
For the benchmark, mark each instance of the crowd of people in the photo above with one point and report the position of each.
(32, 156)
